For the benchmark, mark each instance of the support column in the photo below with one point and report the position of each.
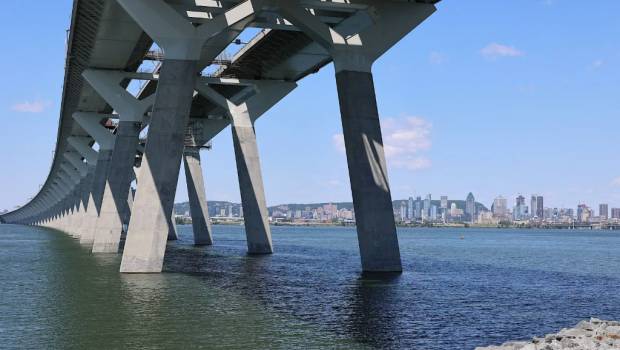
(96, 196)
(157, 180)
(201, 224)
(372, 199)
(256, 216)
(183, 45)
(355, 44)
(243, 111)
(115, 208)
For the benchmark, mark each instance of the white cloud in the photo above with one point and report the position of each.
(437, 58)
(597, 64)
(31, 107)
(405, 140)
(616, 182)
(495, 50)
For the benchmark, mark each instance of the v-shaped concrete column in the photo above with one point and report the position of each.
(131, 112)
(90, 123)
(355, 44)
(86, 170)
(89, 216)
(197, 197)
(183, 45)
(242, 114)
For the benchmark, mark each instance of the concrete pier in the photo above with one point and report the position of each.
(255, 213)
(372, 199)
(201, 224)
(115, 208)
(157, 180)
(96, 196)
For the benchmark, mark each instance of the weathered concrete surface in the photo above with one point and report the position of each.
(256, 216)
(587, 335)
(157, 180)
(197, 197)
(372, 200)
(115, 209)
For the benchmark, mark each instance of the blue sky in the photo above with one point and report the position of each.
(493, 97)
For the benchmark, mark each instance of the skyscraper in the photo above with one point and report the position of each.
(583, 213)
(418, 208)
(603, 211)
(520, 200)
(470, 207)
(615, 213)
(444, 202)
(520, 211)
(403, 211)
(500, 207)
(410, 209)
(534, 205)
(537, 206)
(427, 207)
(540, 207)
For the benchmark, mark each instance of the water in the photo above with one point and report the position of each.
(490, 287)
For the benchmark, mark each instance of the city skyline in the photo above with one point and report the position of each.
(539, 107)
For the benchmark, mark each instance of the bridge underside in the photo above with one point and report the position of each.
(125, 130)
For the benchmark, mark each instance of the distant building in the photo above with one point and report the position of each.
(427, 207)
(533, 205)
(615, 213)
(455, 212)
(520, 200)
(520, 211)
(603, 211)
(537, 206)
(403, 211)
(470, 207)
(444, 202)
(418, 208)
(487, 218)
(500, 207)
(583, 213)
(433, 212)
(540, 207)
(410, 211)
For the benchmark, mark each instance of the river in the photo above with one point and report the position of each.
(489, 287)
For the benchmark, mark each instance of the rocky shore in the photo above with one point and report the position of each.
(594, 334)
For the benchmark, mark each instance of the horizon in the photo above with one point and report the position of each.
(522, 101)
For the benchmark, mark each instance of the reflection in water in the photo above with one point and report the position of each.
(374, 310)
(454, 294)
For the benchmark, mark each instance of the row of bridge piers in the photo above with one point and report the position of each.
(94, 201)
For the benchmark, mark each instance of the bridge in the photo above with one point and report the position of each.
(123, 127)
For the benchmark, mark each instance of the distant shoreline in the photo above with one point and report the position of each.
(433, 226)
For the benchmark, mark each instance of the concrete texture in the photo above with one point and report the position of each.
(256, 216)
(115, 209)
(96, 196)
(157, 180)
(372, 199)
(197, 197)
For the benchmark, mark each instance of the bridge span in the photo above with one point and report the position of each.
(110, 137)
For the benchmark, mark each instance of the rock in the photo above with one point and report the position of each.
(586, 335)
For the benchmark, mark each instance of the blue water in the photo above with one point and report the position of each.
(490, 287)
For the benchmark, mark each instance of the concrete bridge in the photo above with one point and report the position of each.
(112, 138)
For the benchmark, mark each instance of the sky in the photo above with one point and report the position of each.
(491, 97)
